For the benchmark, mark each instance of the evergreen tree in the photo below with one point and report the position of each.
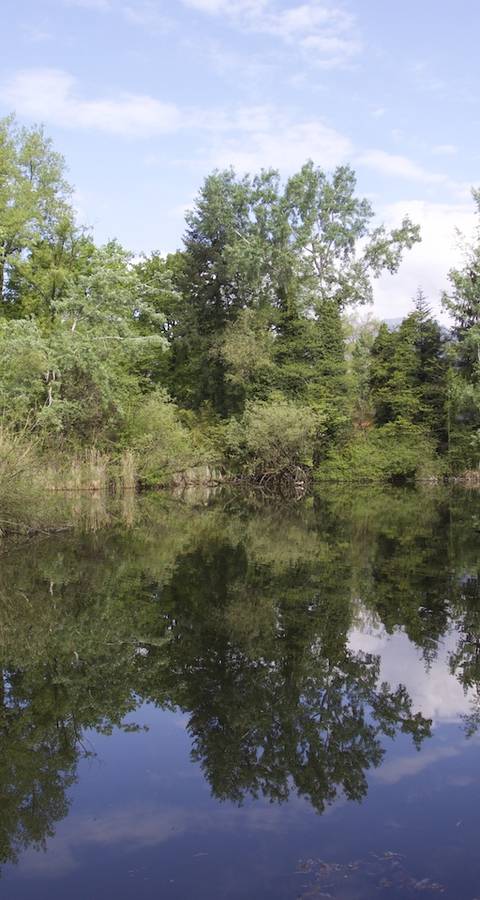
(225, 270)
(408, 373)
(381, 375)
(432, 371)
(463, 304)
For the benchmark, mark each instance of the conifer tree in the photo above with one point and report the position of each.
(408, 373)
(463, 304)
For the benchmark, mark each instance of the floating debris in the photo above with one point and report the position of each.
(380, 872)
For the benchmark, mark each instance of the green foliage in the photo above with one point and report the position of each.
(397, 451)
(273, 436)
(360, 334)
(25, 358)
(25, 503)
(247, 348)
(337, 252)
(294, 258)
(408, 374)
(240, 341)
(75, 380)
(162, 445)
(463, 304)
(38, 238)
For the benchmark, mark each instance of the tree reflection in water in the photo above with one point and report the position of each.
(240, 618)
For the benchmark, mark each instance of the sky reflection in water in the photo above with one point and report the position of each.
(232, 701)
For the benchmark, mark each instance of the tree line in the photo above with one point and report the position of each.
(245, 346)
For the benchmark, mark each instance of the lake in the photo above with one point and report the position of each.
(233, 697)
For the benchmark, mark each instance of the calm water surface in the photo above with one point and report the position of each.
(229, 699)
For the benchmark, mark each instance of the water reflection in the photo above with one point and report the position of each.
(244, 617)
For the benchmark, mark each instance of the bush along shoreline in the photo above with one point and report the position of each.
(247, 355)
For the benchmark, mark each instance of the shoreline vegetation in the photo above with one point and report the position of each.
(40, 500)
(244, 357)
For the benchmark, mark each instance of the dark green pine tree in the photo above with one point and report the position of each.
(409, 371)
(463, 304)
(381, 375)
(310, 366)
(296, 349)
(210, 296)
(432, 371)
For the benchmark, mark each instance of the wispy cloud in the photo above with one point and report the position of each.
(393, 164)
(426, 80)
(227, 7)
(147, 14)
(409, 766)
(327, 34)
(90, 4)
(264, 146)
(445, 150)
(139, 827)
(51, 95)
(36, 34)
(246, 137)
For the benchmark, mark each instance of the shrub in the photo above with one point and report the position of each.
(397, 451)
(272, 437)
(161, 443)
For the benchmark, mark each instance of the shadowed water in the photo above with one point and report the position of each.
(232, 698)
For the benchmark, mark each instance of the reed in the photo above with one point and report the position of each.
(89, 471)
(128, 476)
(25, 501)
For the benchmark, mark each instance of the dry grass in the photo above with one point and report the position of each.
(470, 477)
(25, 504)
(128, 475)
(86, 472)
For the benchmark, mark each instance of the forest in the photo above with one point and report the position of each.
(246, 353)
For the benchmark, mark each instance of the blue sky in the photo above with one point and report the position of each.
(145, 97)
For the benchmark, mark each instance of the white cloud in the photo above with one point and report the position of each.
(90, 4)
(135, 827)
(396, 166)
(308, 21)
(445, 150)
(395, 770)
(265, 140)
(146, 14)
(51, 95)
(425, 80)
(428, 263)
(325, 33)
(393, 164)
(35, 34)
(434, 691)
(249, 138)
(226, 7)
